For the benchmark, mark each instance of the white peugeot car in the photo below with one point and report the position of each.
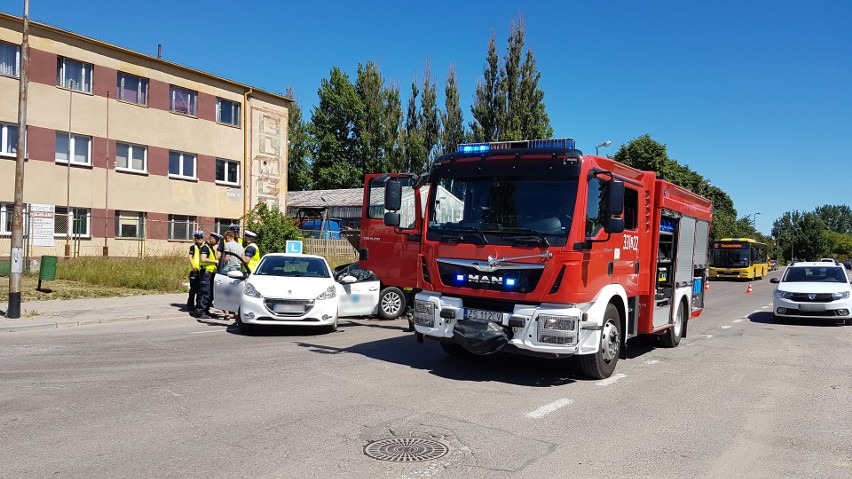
(813, 290)
(294, 290)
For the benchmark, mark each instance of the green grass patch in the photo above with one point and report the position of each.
(156, 274)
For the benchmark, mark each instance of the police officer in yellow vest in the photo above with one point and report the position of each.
(252, 254)
(209, 265)
(194, 271)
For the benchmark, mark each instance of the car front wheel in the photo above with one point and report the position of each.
(391, 302)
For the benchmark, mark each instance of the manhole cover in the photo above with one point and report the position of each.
(409, 449)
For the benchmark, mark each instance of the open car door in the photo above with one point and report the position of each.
(227, 292)
(358, 290)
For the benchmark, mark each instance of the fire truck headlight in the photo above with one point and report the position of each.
(558, 329)
(424, 313)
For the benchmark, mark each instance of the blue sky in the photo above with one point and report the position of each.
(754, 95)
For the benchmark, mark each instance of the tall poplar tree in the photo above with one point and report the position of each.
(510, 78)
(414, 149)
(430, 124)
(333, 127)
(299, 151)
(393, 128)
(489, 99)
(369, 123)
(532, 116)
(452, 123)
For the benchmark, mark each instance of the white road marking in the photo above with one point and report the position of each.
(205, 332)
(708, 336)
(549, 408)
(610, 380)
(764, 307)
(727, 327)
(738, 320)
(653, 361)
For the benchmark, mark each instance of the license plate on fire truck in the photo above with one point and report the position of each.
(482, 315)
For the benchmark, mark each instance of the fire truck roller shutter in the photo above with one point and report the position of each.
(702, 238)
(685, 252)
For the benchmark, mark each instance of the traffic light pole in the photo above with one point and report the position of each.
(17, 259)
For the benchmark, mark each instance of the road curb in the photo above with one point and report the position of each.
(10, 328)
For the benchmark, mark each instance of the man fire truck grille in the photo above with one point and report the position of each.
(507, 280)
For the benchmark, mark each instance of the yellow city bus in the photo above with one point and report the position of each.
(738, 258)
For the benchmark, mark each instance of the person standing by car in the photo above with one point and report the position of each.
(209, 265)
(252, 252)
(232, 253)
(194, 271)
(236, 231)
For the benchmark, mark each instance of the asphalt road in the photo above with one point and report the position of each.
(740, 397)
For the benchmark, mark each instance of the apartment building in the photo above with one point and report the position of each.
(132, 153)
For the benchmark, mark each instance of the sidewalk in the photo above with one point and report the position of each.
(79, 312)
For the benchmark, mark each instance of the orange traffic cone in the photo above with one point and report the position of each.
(707, 286)
(749, 291)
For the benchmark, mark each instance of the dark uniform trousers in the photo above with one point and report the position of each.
(194, 284)
(205, 290)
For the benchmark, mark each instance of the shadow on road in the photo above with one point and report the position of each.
(765, 317)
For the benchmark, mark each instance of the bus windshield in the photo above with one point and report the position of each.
(730, 256)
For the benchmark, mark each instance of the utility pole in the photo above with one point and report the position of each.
(17, 267)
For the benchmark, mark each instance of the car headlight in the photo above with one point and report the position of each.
(783, 294)
(251, 291)
(840, 295)
(329, 293)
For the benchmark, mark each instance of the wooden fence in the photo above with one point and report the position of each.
(335, 251)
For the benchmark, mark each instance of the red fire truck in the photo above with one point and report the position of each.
(534, 248)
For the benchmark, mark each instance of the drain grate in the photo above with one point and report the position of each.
(401, 449)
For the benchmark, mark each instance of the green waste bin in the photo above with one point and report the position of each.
(5, 267)
(47, 271)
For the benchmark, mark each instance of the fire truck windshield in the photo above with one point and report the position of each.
(501, 210)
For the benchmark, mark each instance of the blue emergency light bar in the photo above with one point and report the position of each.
(549, 144)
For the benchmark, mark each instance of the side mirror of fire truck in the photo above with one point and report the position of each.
(393, 202)
(614, 207)
(615, 198)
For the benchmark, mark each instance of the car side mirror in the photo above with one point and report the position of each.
(774, 280)
(348, 279)
(614, 225)
(236, 275)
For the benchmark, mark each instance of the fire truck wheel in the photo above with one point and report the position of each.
(391, 303)
(601, 364)
(672, 336)
(455, 350)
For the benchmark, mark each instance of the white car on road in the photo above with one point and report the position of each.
(294, 290)
(813, 290)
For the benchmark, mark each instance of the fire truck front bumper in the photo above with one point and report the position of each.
(555, 330)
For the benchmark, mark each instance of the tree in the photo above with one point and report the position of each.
(273, 228)
(332, 125)
(414, 142)
(394, 133)
(298, 164)
(430, 124)
(369, 128)
(534, 122)
(837, 218)
(510, 78)
(801, 236)
(488, 106)
(452, 131)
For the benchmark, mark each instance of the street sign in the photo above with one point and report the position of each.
(294, 247)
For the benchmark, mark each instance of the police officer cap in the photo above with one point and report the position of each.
(198, 234)
(234, 228)
(216, 235)
(250, 234)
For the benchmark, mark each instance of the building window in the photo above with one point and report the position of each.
(80, 148)
(227, 172)
(227, 112)
(183, 101)
(181, 227)
(6, 211)
(224, 224)
(132, 88)
(181, 165)
(129, 157)
(10, 60)
(8, 139)
(129, 224)
(74, 75)
(79, 224)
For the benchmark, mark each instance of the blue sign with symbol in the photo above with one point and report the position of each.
(294, 247)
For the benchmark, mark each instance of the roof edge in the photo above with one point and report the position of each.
(117, 48)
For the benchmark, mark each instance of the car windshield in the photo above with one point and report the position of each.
(819, 274)
(291, 266)
(502, 210)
